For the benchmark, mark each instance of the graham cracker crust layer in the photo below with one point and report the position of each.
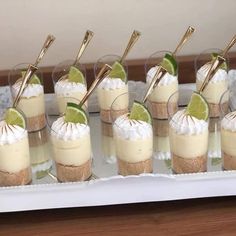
(215, 109)
(110, 115)
(126, 168)
(229, 162)
(36, 123)
(161, 127)
(73, 173)
(182, 165)
(159, 109)
(22, 177)
(107, 129)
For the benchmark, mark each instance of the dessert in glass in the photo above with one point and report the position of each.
(14, 149)
(71, 145)
(69, 82)
(115, 83)
(161, 144)
(133, 138)
(166, 86)
(228, 133)
(69, 77)
(217, 85)
(32, 99)
(189, 133)
(108, 143)
(40, 152)
(111, 87)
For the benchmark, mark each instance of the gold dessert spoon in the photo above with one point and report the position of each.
(229, 46)
(133, 39)
(183, 40)
(49, 40)
(29, 73)
(103, 73)
(87, 38)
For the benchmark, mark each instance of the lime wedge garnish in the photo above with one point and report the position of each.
(224, 64)
(34, 79)
(75, 75)
(169, 63)
(14, 117)
(198, 107)
(118, 71)
(75, 114)
(140, 112)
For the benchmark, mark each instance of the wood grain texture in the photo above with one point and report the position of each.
(213, 216)
(135, 69)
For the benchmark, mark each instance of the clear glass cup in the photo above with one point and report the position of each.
(108, 143)
(218, 84)
(133, 141)
(161, 93)
(107, 92)
(40, 152)
(64, 89)
(228, 132)
(32, 100)
(161, 143)
(188, 147)
(14, 155)
(71, 149)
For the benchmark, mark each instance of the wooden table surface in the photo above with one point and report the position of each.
(213, 216)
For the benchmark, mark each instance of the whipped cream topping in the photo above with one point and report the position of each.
(229, 122)
(67, 130)
(186, 124)
(32, 90)
(220, 74)
(65, 88)
(132, 129)
(112, 83)
(10, 134)
(166, 80)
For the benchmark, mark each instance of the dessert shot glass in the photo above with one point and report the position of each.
(108, 143)
(71, 148)
(217, 85)
(64, 89)
(161, 143)
(15, 166)
(133, 141)
(188, 138)
(109, 89)
(40, 152)
(166, 87)
(228, 131)
(32, 100)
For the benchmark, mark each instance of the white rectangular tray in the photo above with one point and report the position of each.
(108, 188)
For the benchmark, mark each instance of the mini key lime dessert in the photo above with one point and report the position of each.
(134, 141)
(32, 101)
(189, 136)
(228, 139)
(70, 136)
(215, 88)
(70, 85)
(111, 87)
(164, 88)
(14, 150)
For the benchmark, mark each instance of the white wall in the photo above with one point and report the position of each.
(24, 24)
